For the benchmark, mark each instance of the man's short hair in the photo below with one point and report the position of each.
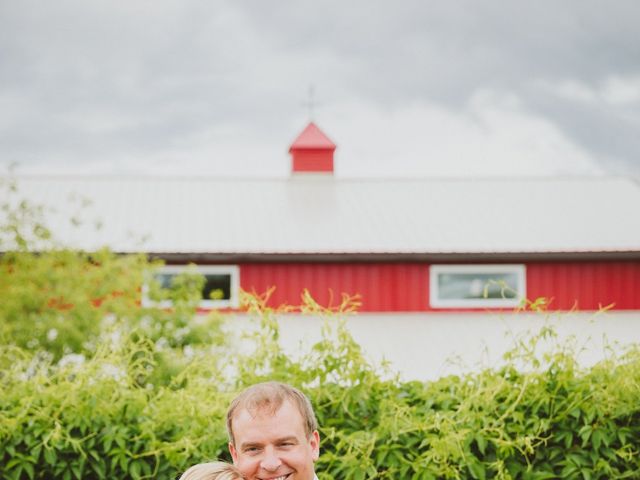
(269, 397)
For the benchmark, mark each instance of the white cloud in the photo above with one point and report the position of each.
(493, 135)
(622, 90)
(570, 89)
(613, 90)
(217, 87)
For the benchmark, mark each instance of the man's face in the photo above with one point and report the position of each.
(273, 446)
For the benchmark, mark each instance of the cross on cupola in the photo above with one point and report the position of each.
(310, 103)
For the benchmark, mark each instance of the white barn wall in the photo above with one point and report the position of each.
(427, 346)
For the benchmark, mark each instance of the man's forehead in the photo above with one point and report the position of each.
(285, 420)
(263, 410)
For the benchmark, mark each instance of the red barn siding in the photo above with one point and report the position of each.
(382, 287)
(587, 285)
(404, 287)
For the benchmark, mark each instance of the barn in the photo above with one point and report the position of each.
(435, 260)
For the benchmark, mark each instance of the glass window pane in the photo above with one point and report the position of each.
(454, 286)
(164, 279)
(217, 287)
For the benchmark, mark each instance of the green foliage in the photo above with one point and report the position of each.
(530, 422)
(101, 419)
(59, 300)
(129, 390)
(104, 418)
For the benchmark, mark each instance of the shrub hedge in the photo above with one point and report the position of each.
(102, 418)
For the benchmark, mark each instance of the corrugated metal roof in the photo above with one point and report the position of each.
(317, 215)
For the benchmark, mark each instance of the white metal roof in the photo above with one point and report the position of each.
(316, 215)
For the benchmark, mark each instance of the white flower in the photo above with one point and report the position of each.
(188, 351)
(113, 371)
(71, 359)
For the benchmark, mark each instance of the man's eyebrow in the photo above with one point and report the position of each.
(290, 438)
(244, 446)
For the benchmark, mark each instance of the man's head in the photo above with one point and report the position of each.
(273, 433)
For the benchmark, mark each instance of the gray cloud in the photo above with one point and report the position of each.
(147, 82)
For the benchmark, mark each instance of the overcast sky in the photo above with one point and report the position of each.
(404, 88)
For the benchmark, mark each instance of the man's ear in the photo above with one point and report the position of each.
(314, 443)
(233, 452)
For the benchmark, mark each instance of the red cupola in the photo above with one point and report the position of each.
(312, 152)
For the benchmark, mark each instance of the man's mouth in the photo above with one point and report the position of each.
(281, 477)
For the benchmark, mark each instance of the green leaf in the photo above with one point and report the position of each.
(134, 469)
(596, 438)
(481, 442)
(28, 467)
(477, 470)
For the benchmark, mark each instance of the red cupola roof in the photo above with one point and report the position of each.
(312, 151)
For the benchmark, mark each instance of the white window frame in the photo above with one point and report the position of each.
(436, 270)
(206, 303)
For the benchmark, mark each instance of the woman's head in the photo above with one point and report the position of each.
(212, 471)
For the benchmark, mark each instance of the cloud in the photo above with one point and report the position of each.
(603, 116)
(219, 86)
(621, 90)
(612, 91)
(493, 136)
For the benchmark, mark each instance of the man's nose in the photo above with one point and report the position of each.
(270, 461)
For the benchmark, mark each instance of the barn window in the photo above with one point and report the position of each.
(220, 289)
(476, 286)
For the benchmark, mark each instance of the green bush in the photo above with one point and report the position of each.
(58, 300)
(102, 418)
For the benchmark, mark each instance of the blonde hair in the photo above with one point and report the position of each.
(212, 471)
(269, 396)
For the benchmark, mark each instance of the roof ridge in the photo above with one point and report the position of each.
(341, 179)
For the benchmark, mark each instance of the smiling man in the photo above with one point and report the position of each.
(273, 433)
